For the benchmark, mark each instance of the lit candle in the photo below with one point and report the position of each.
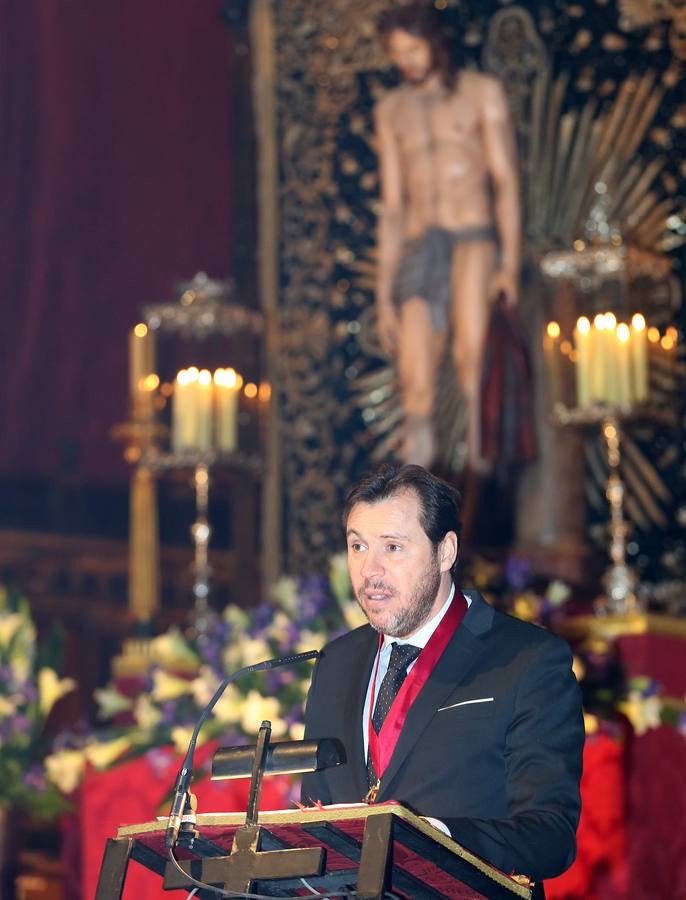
(639, 357)
(138, 358)
(552, 361)
(203, 423)
(582, 345)
(597, 356)
(624, 387)
(611, 359)
(227, 385)
(190, 409)
(179, 397)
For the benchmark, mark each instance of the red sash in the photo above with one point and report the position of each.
(382, 745)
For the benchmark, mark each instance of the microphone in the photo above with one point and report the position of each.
(186, 771)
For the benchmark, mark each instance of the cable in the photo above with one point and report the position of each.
(224, 893)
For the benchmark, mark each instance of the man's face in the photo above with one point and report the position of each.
(398, 579)
(411, 54)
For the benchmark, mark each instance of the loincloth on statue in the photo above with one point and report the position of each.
(425, 268)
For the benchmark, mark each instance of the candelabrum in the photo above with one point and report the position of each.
(620, 597)
(201, 433)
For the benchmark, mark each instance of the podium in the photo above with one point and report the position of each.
(366, 850)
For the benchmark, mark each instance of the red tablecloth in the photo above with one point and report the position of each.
(137, 791)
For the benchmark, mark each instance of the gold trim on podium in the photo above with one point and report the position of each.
(342, 813)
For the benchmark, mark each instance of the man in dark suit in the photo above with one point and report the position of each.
(466, 715)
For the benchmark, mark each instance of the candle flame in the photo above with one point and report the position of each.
(667, 343)
(205, 377)
(182, 377)
(623, 332)
(553, 330)
(250, 390)
(140, 330)
(653, 334)
(610, 321)
(265, 391)
(638, 321)
(673, 333)
(599, 321)
(566, 348)
(151, 382)
(583, 325)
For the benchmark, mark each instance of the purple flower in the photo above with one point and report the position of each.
(34, 777)
(261, 617)
(20, 722)
(159, 759)
(517, 572)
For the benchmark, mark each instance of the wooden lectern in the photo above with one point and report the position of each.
(366, 850)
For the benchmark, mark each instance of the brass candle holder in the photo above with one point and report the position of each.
(619, 580)
(203, 309)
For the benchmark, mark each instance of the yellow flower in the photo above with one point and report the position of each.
(51, 689)
(111, 702)
(642, 712)
(146, 714)
(204, 686)
(339, 578)
(256, 709)
(353, 614)
(172, 650)
(310, 640)
(7, 706)
(578, 667)
(10, 624)
(254, 650)
(526, 606)
(65, 769)
(590, 723)
(181, 735)
(297, 731)
(284, 593)
(235, 617)
(169, 687)
(102, 755)
(228, 708)
(278, 629)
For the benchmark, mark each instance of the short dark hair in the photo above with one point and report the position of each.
(422, 20)
(439, 502)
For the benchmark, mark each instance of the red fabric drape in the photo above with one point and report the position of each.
(115, 181)
(135, 792)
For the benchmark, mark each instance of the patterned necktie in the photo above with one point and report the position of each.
(401, 657)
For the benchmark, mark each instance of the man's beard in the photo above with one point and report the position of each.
(411, 617)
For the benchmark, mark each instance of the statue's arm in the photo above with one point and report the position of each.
(501, 156)
(390, 225)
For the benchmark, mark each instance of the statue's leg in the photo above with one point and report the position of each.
(473, 266)
(420, 349)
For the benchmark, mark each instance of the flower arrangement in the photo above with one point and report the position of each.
(184, 672)
(29, 688)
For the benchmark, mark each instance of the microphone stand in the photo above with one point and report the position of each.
(181, 808)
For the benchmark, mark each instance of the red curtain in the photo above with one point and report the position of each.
(115, 177)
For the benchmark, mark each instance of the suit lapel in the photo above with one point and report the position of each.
(455, 663)
(360, 671)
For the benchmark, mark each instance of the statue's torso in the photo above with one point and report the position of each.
(442, 156)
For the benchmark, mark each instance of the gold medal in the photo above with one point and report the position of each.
(372, 793)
